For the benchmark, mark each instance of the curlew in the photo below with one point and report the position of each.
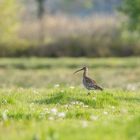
(88, 83)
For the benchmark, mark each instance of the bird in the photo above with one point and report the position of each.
(88, 83)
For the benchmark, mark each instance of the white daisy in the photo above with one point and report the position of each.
(51, 118)
(93, 118)
(53, 110)
(62, 114)
(105, 113)
(4, 114)
(72, 87)
(56, 85)
(84, 124)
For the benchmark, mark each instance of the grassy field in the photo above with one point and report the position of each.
(41, 99)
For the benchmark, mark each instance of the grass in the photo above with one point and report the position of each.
(36, 105)
(69, 26)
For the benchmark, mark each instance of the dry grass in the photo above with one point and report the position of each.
(60, 25)
(60, 36)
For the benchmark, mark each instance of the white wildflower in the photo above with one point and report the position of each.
(113, 107)
(56, 85)
(51, 118)
(62, 114)
(131, 87)
(46, 110)
(84, 124)
(93, 118)
(94, 98)
(35, 91)
(62, 91)
(53, 110)
(4, 114)
(105, 113)
(123, 111)
(73, 103)
(85, 106)
(72, 87)
(77, 102)
(66, 106)
(81, 103)
(42, 115)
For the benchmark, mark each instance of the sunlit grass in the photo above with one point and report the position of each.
(41, 99)
(43, 113)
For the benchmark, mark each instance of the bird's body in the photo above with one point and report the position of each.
(89, 83)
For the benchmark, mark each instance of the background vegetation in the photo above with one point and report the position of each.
(132, 9)
(97, 30)
(39, 73)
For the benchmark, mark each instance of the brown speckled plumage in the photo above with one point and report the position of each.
(89, 83)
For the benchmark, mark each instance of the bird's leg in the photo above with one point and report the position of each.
(95, 93)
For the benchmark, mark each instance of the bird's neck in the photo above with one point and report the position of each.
(85, 73)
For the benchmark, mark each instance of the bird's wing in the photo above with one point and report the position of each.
(90, 81)
(98, 87)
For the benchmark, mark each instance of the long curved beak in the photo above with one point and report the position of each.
(77, 71)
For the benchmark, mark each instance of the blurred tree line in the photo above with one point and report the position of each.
(105, 41)
(131, 8)
(9, 23)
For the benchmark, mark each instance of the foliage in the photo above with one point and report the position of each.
(131, 8)
(8, 21)
(102, 44)
(71, 36)
(93, 37)
(75, 4)
(40, 8)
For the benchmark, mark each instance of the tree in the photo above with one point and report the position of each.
(131, 8)
(8, 21)
(40, 15)
(70, 5)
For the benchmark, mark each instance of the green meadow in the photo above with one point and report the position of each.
(41, 99)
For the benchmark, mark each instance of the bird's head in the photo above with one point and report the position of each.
(84, 69)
